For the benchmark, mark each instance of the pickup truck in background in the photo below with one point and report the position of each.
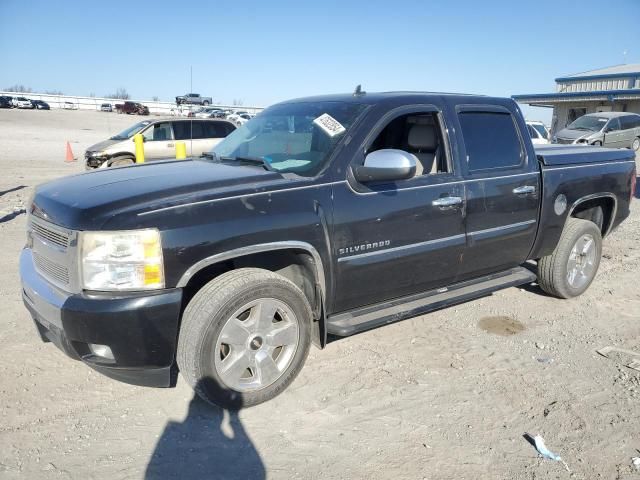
(327, 215)
(132, 108)
(193, 99)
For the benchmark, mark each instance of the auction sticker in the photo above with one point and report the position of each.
(330, 125)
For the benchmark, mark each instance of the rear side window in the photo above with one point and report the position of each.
(215, 130)
(182, 130)
(630, 121)
(491, 140)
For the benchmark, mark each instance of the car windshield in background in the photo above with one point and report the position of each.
(291, 138)
(586, 122)
(541, 130)
(131, 131)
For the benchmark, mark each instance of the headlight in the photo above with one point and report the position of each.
(126, 260)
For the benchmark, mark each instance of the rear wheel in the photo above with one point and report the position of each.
(205, 103)
(244, 337)
(636, 144)
(572, 266)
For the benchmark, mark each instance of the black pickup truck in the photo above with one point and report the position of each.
(322, 216)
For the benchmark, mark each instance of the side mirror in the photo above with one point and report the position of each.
(387, 164)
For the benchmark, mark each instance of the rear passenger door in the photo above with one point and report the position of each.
(502, 186)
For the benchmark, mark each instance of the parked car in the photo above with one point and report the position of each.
(132, 108)
(106, 107)
(538, 133)
(193, 99)
(208, 112)
(69, 106)
(243, 118)
(22, 102)
(6, 102)
(160, 137)
(40, 105)
(360, 211)
(610, 129)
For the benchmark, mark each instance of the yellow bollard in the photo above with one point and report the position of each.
(181, 150)
(138, 139)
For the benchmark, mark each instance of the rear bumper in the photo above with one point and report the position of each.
(140, 329)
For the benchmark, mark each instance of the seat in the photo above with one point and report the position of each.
(423, 143)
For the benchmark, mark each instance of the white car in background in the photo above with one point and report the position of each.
(208, 112)
(21, 102)
(539, 132)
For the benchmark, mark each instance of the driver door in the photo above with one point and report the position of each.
(158, 141)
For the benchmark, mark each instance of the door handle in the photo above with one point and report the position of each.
(447, 202)
(524, 190)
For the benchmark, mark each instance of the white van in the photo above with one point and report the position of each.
(160, 138)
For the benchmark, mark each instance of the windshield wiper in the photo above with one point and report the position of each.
(253, 160)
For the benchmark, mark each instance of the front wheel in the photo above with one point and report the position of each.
(597, 144)
(572, 266)
(244, 337)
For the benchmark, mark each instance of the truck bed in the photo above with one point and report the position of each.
(551, 155)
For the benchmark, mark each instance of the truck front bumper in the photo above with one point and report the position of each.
(139, 329)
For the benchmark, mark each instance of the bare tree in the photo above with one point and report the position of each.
(155, 98)
(53, 92)
(238, 102)
(19, 89)
(121, 94)
(92, 94)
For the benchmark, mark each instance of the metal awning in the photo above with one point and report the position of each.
(550, 99)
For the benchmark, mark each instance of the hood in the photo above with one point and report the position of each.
(89, 200)
(574, 134)
(104, 145)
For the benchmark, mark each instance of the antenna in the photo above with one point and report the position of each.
(358, 91)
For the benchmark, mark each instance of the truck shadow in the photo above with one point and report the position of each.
(211, 443)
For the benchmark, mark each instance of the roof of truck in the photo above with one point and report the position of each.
(370, 98)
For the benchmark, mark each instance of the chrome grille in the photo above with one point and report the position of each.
(55, 271)
(55, 251)
(564, 141)
(49, 235)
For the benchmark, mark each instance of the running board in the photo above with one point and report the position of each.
(354, 321)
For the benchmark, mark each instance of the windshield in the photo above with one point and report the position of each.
(131, 131)
(541, 130)
(587, 122)
(291, 138)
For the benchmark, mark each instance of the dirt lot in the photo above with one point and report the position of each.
(444, 396)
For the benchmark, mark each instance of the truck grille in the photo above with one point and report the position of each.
(49, 235)
(53, 270)
(54, 250)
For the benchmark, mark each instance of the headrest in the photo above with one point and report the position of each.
(422, 137)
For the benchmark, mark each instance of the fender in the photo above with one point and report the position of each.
(267, 247)
(592, 197)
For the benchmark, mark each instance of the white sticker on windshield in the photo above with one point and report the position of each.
(330, 125)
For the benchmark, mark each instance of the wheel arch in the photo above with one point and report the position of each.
(590, 206)
(298, 261)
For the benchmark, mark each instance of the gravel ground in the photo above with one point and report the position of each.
(445, 395)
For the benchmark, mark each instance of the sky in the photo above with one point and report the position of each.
(262, 52)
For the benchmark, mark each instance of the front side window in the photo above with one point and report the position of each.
(491, 140)
(158, 132)
(419, 134)
(613, 125)
(292, 137)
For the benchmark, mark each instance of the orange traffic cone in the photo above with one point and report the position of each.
(70, 158)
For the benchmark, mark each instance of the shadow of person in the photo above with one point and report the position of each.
(210, 443)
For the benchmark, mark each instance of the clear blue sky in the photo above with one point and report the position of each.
(266, 51)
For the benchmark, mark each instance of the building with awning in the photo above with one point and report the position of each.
(610, 89)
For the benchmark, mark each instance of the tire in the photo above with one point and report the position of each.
(225, 309)
(205, 103)
(597, 144)
(121, 162)
(635, 145)
(580, 247)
